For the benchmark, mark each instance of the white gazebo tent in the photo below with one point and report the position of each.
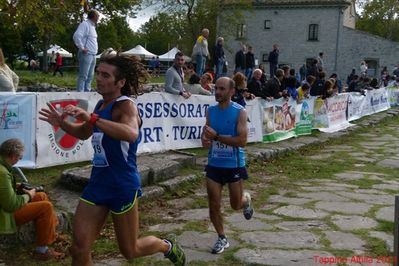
(170, 55)
(57, 49)
(140, 51)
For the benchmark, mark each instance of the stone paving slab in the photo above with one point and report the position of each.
(166, 227)
(349, 176)
(386, 186)
(286, 240)
(276, 257)
(389, 163)
(323, 196)
(238, 221)
(302, 225)
(343, 207)
(300, 212)
(386, 214)
(288, 200)
(340, 240)
(194, 215)
(348, 223)
(370, 198)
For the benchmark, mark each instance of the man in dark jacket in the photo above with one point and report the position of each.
(273, 60)
(255, 85)
(273, 86)
(249, 63)
(240, 60)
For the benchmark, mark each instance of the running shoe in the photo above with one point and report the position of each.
(176, 253)
(248, 211)
(220, 245)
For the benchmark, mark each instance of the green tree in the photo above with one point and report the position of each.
(380, 17)
(163, 32)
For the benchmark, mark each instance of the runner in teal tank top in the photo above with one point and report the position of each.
(115, 182)
(225, 134)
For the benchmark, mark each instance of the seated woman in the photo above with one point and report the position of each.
(206, 82)
(328, 89)
(194, 86)
(241, 92)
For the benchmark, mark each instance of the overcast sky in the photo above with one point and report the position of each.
(142, 17)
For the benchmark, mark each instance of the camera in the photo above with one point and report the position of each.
(27, 186)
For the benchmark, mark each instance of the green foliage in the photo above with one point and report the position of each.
(380, 17)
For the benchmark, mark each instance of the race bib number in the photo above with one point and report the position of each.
(100, 158)
(221, 150)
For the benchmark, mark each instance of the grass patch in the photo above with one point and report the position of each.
(385, 226)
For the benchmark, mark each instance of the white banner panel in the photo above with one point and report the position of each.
(54, 146)
(356, 102)
(378, 100)
(170, 121)
(17, 121)
(254, 112)
(332, 113)
(393, 95)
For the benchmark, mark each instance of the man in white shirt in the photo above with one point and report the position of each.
(201, 52)
(85, 38)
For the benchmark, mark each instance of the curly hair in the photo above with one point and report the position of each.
(240, 81)
(131, 69)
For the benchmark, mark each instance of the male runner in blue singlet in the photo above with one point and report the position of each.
(114, 184)
(225, 134)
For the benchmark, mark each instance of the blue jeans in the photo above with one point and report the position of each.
(87, 63)
(219, 68)
(248, 73)
(200, 60)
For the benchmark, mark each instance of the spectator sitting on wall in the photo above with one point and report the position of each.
(286, 70)
(241, 92)
(206, 81)
(328, 89)
(273, 86)
(335, 88)
(338, 82)
(317, 88)
(303, 92)
(194, 86)
(174, 77)
(255, 85)
(374, 84)
(291, 87)
(353, 83)
(351, 76)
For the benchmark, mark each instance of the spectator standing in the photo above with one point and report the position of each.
(363, 69)
(174, 77)
(313, 70)
(157, 67)
(85, 38)
(395, 71)
(273, 60)
(194, 86)
(303, 92)
(201, 52)
(18, 209)
(240, 60)
(8, 79)
(249, 63)
(151, 65)
(320, 62)
(58, 65)
(52, 60)
(218, 57)
(302, 72)
(351, 76)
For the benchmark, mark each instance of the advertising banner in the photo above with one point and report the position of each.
(305, 116)
(54, 146)
(18, 121)
(279, 119)
(330, 114)
(378, 100)
(356, 102)
(393, 95)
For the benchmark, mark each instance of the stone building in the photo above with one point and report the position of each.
(303, 28)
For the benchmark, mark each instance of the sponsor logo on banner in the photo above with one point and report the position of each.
(9, 116)
(62, 143)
